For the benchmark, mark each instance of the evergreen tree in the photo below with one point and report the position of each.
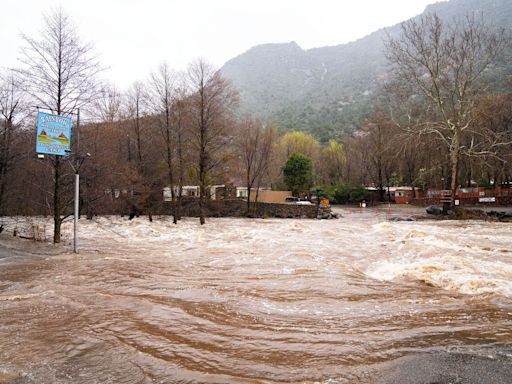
(298, 173)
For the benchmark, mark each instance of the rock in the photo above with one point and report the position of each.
(134, 212)
(325, 213)
(500, 214)
(434, 210)
(406, 218)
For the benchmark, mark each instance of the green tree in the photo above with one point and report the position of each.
(333, 161)
(301, 142)
(298, 173)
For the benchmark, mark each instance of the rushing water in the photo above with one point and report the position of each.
(252, 301)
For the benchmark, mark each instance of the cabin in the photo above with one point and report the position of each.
(398, 195)
(265, 195)
(227, 191)
(186, 191)
(404, 195)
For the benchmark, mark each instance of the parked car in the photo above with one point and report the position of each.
(296, 200)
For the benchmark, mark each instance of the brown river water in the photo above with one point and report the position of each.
(250, 300)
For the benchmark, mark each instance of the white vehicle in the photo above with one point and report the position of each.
(296, 200)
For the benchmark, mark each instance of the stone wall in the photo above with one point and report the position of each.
(238, 208)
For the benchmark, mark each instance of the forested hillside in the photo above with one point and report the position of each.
(327, 91)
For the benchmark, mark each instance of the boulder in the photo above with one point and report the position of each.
(500, 214)
(434, 210)
(325, 212)
(405, 218)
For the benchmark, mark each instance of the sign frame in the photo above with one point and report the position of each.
(53, 135)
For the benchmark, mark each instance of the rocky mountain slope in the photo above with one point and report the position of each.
(328, 91)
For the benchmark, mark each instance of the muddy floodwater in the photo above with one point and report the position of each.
(250, 301)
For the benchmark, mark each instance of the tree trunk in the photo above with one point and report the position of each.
(380, 181)
(201, 207)
(137, 133)
(179, 202)
(454, 166)
(202, 186)
(248, 193)
(171, 180)
(4, 159)
(180, 178)
(248, 202)
(255, 204)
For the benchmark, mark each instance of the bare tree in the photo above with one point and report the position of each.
(144, 177)
(212, 101)
(12, 107)
(180, 117)
(494, 120)
(108, 104)
(59, 73)
(103, 141)
(135, 110)
(444, 63)
(162, 95)
(254, 144)
(379, 138)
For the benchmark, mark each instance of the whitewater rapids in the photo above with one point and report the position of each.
(249, 300)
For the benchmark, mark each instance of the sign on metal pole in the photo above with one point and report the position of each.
(53, 134)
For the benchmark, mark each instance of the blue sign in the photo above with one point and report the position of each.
(53, 134)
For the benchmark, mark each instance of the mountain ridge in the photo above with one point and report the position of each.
(327, 91)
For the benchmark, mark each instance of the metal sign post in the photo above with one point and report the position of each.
(77, 197)
(78, 161)
(77, 188)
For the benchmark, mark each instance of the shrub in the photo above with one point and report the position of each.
(345, 193)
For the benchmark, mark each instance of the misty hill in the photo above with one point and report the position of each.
(328, 91)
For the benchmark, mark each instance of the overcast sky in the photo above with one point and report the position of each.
(132, 37)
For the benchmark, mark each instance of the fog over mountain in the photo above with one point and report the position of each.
(329, 90)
